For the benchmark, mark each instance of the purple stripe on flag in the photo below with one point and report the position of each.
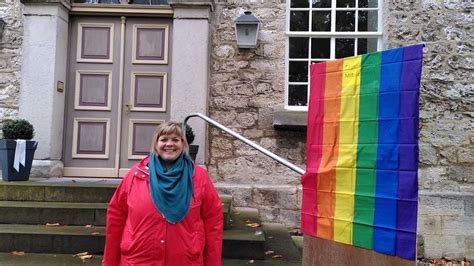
(407, 184)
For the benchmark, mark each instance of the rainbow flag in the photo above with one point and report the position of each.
(361, 183)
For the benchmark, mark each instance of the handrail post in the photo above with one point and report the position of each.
(244, 140)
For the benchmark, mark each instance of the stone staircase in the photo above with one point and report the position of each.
(52, 219)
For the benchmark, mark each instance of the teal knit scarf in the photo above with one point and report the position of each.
(172, 189)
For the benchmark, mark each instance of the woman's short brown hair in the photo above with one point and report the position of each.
(168, 128)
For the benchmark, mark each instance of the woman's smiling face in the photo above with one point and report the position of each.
(169, 147)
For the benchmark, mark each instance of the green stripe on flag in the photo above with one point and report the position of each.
(366, 151)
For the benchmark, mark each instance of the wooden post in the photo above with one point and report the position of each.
(317, 251)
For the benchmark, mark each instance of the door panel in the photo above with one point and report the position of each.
(92, 104)
(146, 86)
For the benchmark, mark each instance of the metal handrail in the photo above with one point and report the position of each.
(245, 140)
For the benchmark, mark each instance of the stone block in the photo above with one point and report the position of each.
(439, 246)
(290, 218)
(431, 5)
(456, 4)
(461, 173)
(428, 154)
(269, 214)
(300, 195)
(245, 120)
(253, 133)
(265, 118)
(466, 155)
(224, 117)
(464, 48)
(264, 100)
(420, 246)
(469, 204)
(461, 62)
(448, 155)
(404, 5)
(224, 51)
(277, 196)
(264, 88)
(47, 168)
(241, 194)
(230, 102)
(429, 176)
(429, 224)
(457, 225)
(440, 205)
(242, 149)
(469, 247)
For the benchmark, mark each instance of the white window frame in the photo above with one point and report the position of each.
(332, 35)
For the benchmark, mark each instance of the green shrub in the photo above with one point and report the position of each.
(189, 134)
(18, 129)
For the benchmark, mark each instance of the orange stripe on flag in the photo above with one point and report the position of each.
(327, 170)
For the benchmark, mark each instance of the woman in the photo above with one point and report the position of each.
(166, 210)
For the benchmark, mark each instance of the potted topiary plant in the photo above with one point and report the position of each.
(193, 149)
(17, 135)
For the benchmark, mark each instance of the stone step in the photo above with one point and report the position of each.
(44, 239)
(277, 240)
(236, 242)
(240, 241)
(69, 213)
(64, 213)
(58, 190)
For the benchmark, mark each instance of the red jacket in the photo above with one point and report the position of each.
(137, 234)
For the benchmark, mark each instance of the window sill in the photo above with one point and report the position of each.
(289, 119)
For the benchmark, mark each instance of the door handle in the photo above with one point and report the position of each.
(127, 108)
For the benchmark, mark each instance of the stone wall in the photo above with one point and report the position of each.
(10, 58)
(446, 171)
(246, 84)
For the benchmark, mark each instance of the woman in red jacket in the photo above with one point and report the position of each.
(166, 210)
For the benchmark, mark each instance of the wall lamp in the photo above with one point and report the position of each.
(246, 30)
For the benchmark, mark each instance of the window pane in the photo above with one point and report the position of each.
(345, 20)
(299, 47)
(159, 2)
(299, 3)
(368, 20)
(298, 71)
(140, 2)
(299, 21)
(345, 3)
(344, 48)
(368, 3)
(321, 3)
(366, 45)
(297, 95)
(320, 48)
(321, 21)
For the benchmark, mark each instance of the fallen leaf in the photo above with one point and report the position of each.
(18, 253)
(81, 254)
(254, 225)
(269, 237)
(277, 257)
(53, 224)
(269, 252)
(95, 233)
(85, 257)
(88, 225)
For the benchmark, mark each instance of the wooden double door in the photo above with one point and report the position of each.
(117, 92)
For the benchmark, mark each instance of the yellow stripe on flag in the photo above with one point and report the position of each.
(346, 163)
